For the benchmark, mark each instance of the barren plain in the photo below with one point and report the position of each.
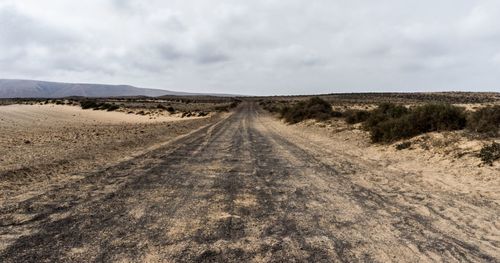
(88, 186)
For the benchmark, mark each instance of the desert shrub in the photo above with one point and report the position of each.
(186, 114)
(490, 153)
(485, 120)
(275, 106)
(91, 104)
(283, 110)
(222, 108)
(403, 145)
(103, 106)
(390, 122)
(113, 107)
(438, 117)
(160, 106)
(356, 116)
(392, 129)
(314, 108)
(384, 112)
(88, 104)
(226, 108)
(337, 114)
(170, 109)
(234, 104)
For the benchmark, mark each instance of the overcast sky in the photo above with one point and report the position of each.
(256, 47)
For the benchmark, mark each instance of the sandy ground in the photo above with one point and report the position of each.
(50, 114)
(249, 188)
(445, 160)
(43, 145)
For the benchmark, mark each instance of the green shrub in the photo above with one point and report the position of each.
(88, 104)
(490, 153)
(392, 129)
(103, 106)
(283, 110)
(314, 108)
(170, 109)
(113, 107)
(438, 117)
(337, 114)
(234, 104)
(383, 113)
(272, 107)
(221, 108)
(91, 104)
(186, 114)
(356, 116)
(390, 122)
(485, 120)
(275, 106)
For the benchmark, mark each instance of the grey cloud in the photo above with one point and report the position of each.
(256, 47)
(169, 52)
(17, 29)
(211, 58)
(122, 4)
(208, 54)
(295, 56)
(29, 45)
(203, 54)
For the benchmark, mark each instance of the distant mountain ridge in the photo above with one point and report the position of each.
(16, 88)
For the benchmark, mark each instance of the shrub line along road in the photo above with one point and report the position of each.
(241, 189)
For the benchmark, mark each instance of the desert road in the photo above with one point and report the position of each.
(248, 189)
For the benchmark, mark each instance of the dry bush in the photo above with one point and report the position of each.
(391, 122)
(314, 108)
(356, 116)
(92, 104)
(485, 121)
(490, 153)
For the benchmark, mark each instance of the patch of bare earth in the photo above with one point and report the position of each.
(43, 146)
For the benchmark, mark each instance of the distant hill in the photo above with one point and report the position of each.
(13, 88)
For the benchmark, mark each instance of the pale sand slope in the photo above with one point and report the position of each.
(50, 144)
(45, 115)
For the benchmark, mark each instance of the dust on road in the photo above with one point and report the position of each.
(244, 189)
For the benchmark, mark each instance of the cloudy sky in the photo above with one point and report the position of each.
(256, 47)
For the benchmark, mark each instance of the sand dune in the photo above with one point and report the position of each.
(45, 115)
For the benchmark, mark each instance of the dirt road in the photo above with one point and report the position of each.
(242, 189)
